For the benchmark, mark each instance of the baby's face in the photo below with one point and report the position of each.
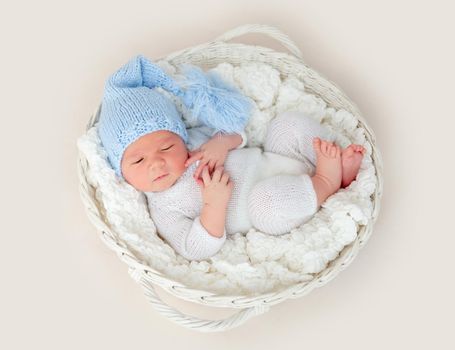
(152, 155)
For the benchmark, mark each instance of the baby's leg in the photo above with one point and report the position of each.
(280, 203)
(291, 134)
(283, 202)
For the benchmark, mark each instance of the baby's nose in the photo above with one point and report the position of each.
(157, 166)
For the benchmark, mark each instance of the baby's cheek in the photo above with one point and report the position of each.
(136, 179)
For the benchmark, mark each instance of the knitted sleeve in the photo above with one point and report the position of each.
(244, 140)
(187, 236)
(242, 134)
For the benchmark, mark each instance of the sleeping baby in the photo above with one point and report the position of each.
(202, 183)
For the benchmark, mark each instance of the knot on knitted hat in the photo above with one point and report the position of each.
(133, 107)
(214, 102)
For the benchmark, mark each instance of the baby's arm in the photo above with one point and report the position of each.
(214, 220)
(233, 141)
(201, 134)
(189, 237)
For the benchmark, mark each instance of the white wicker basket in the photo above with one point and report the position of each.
(209, 55)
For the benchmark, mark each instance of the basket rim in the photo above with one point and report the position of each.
(178, 289)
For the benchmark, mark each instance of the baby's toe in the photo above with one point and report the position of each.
(324, 147)
(317, 144)
(321, 145)
(348, 151)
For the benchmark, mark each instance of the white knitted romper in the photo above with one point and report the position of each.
(272, 189)
(283, 196)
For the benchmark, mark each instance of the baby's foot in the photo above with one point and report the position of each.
(328, 176)
(351, 157)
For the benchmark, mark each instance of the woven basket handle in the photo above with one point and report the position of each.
(190, 321)
(262, 29)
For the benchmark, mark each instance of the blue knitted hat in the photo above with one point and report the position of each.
(133, 107)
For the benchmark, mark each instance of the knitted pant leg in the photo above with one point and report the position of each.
(280, 203)
(291, 134)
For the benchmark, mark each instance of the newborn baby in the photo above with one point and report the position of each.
(202, 183)
(232, 188)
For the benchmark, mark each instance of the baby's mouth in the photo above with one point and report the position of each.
(160, 177)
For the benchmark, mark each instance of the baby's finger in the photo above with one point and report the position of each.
(333, 151)
(225, 178)
(205, 175)
(217, 174)
(211, 165)
(198, 171)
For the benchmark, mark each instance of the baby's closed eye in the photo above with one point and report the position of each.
(163, 149)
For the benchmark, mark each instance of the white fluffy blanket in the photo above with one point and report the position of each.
(250, 263)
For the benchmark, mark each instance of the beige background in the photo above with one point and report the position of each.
(62, 288)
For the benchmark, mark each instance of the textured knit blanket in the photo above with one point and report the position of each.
(249, 263)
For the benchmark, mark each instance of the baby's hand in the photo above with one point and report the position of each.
(216, 191)
(212, 153)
